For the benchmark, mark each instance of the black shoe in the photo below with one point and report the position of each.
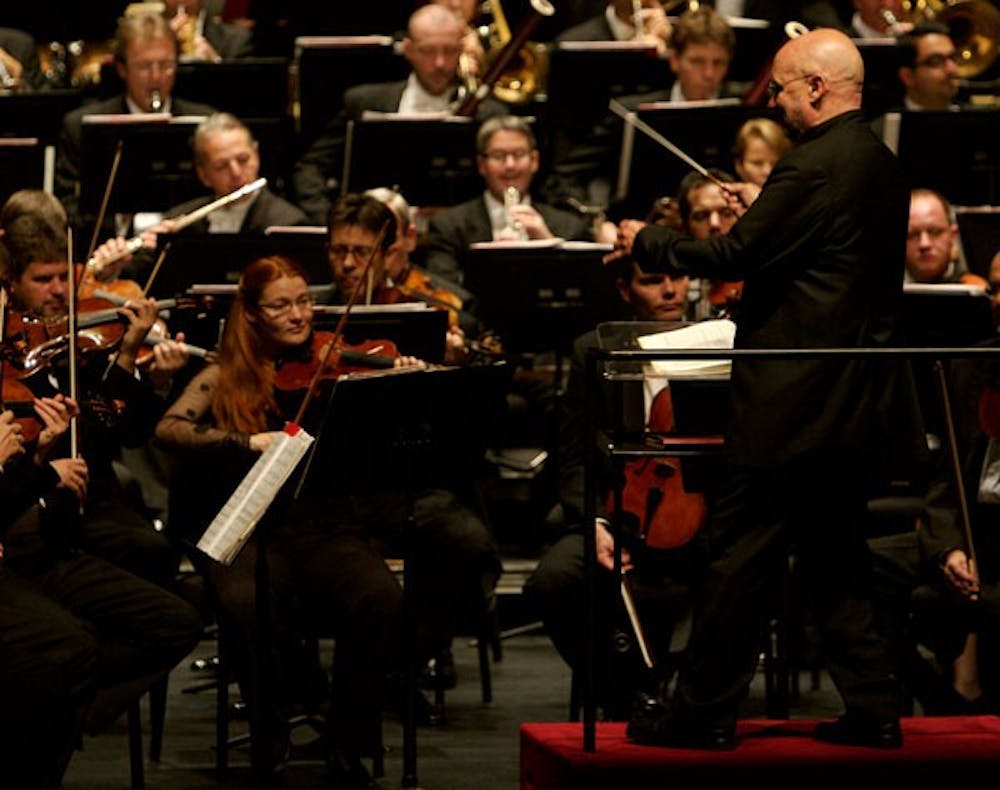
(440, 673)
(654, 723)
(346, 772)
(856, 731)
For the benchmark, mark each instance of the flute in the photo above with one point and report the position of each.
(97, 264)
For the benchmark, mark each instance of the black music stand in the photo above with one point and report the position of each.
(435, 167)
(365, 436)
(945, 316)
(221, 257)
(541, 298)
(326, 66)
(22, 165)
(882, 89)
(37, 114)
(416, 329)
(705, 131)
(955, 153)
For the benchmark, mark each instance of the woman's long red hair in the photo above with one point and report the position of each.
(244, 400)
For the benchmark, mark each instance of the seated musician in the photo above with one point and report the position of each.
(556, 587)
(79, 638)
(617, 23)
(323, 572)
(508, 159)
(702, 45)
(933, 247)
(226, 158)
(34, 238)
(146, 53)
(203, 37)
(432, 47)
(19, 66)
(760, 143)
(451, 533)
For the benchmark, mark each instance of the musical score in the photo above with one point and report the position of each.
(235, 522)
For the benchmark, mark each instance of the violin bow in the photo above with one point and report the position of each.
(71, 325)
(105, 200)
(631, 119)
(338, 332)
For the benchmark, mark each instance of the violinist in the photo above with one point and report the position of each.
(660, 577)
(933, 245)
(79, 638)
(36, 247)
(454, 560)
(318, 555)
(226, 158)
(146, 56)
(432, 46)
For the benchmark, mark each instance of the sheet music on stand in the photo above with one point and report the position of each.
(235, 522)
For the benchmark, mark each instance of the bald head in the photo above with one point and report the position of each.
(433, 17)
(820, 75)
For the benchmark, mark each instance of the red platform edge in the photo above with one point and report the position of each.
(552, 756)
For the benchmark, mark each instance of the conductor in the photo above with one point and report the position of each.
(821, 253)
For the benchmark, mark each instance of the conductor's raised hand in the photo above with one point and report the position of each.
(628, 229)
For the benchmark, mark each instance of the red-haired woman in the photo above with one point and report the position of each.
(322, 572)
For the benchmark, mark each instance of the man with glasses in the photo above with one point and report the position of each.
(508, 159)
(146, 60)
(820, 252)
(928, 68)
(432, 45)
(932, 241)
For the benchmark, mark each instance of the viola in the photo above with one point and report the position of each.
(121, 287)
(343, 360)
(653, 493)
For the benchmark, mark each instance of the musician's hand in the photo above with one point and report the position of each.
(740, 195)
(628, 229)
(169, 356)
(472, 53)
(14, 67)
(73, 475)
(961, 574)
(109, 259)
(11, 440)
(163, 226)
(55, 414)
(456, 350)
(605, 545)
(656, 29)
(140, 317)
(607, 233)
(408, 362)
(531, 221)
(259, 442)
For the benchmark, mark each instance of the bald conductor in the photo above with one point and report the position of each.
(821, 254)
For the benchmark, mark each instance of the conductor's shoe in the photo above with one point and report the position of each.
(654, 723)
(858, 731)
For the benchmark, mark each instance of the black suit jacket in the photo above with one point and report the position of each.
(821, 254)
(451, 231)
(318, 172)
(594, 29)
(267, 209)
(22, 47)
(230, 41)
(67, 180)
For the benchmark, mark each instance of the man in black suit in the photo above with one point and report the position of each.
(508, 160)
(617, 23)
(204, 38)
(19, 66)
(702, 49)
(821, 254)
(432, 46)
(226, 158)
(146, 55)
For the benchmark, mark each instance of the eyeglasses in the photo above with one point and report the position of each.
(774, 87)
(339, 252)
(936, 61)
(149, 66)
(702, 214)
(500, 157)
(284, 306)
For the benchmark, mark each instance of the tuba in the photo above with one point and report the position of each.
(974, 26)
(526, 72)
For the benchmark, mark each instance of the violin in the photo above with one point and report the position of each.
(418, 285)
(668, 516)
(344, 359)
